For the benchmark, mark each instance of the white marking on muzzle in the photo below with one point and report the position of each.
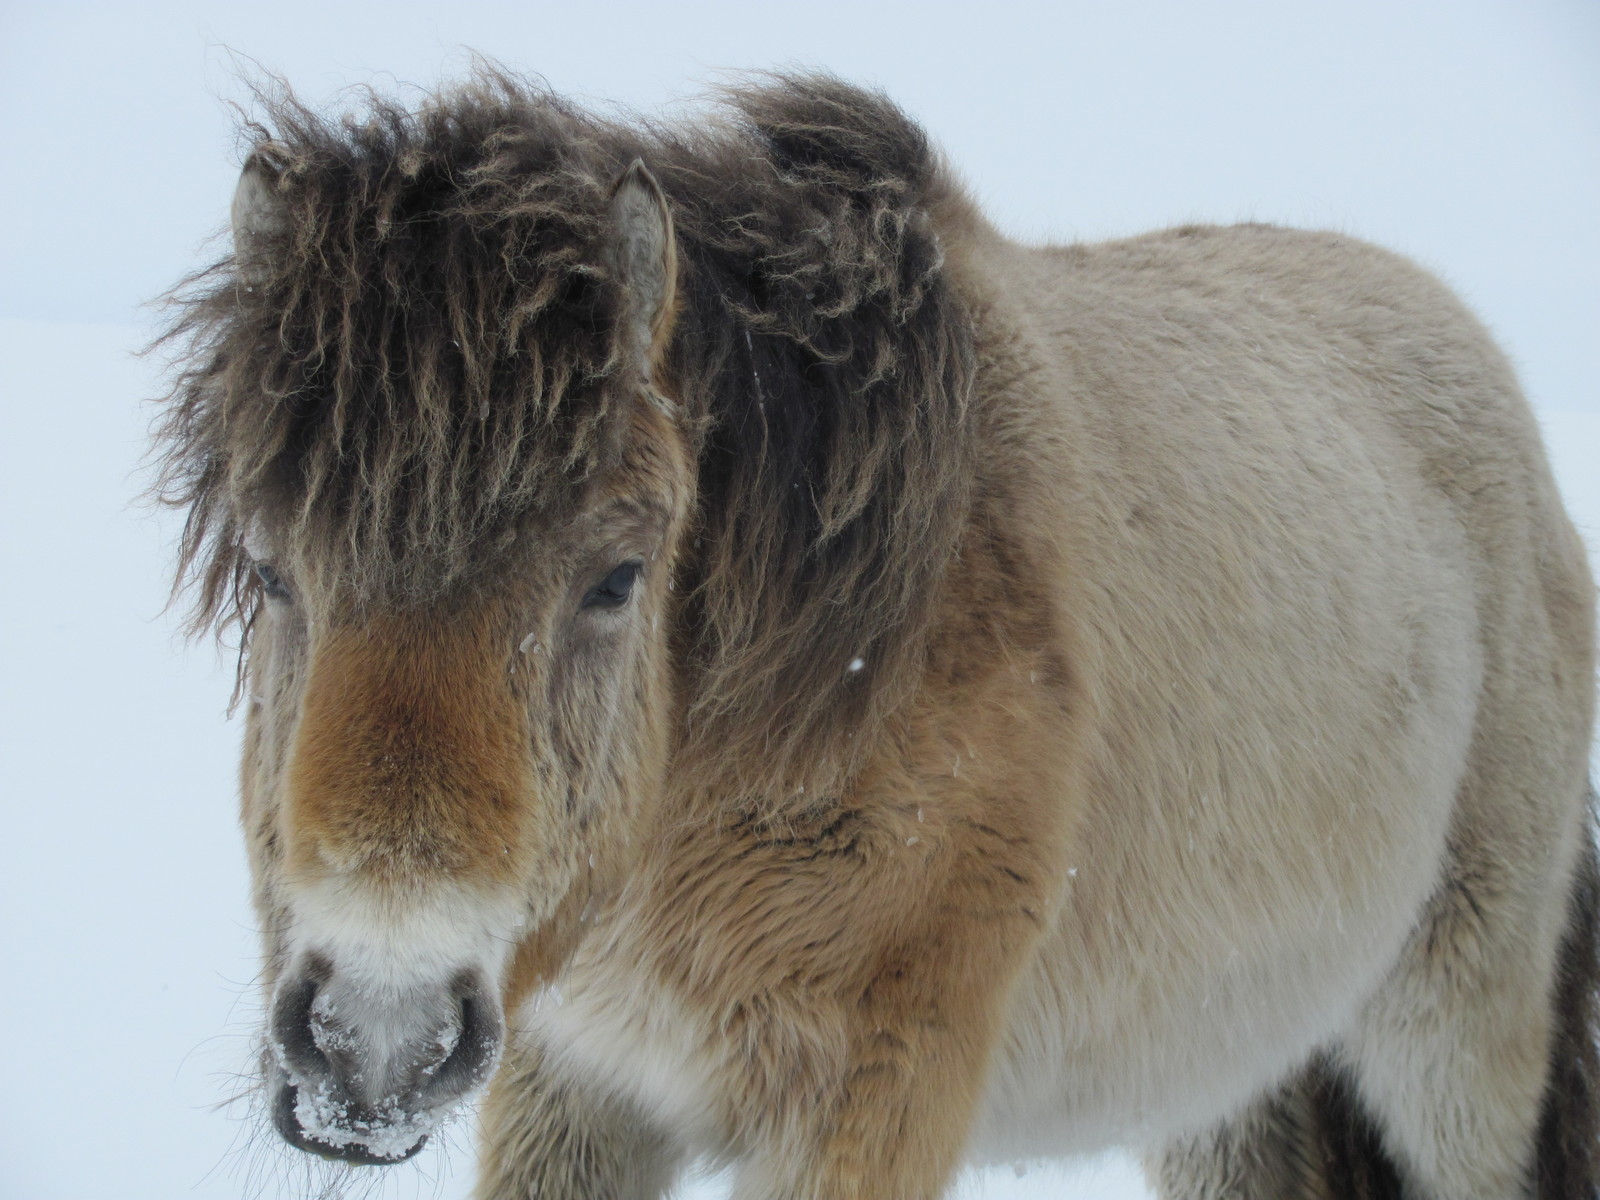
(390, 943)
(399, 983)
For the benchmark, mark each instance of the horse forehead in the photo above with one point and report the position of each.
(645, 494)
(429, 664)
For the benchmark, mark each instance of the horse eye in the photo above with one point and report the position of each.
(271, 581)
(613, 591)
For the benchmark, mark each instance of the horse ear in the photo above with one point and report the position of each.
(257, 212)
(645, 258)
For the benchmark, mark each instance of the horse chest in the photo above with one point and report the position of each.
(604, 1023)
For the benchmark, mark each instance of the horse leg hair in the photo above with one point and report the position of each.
(1306, 1140)
(1484, 1085)
(1568, 1146)
(547, 1137)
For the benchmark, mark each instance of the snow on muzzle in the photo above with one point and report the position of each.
(364, 1072)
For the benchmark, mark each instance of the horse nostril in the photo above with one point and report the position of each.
(294, 1032)
(477, 1045)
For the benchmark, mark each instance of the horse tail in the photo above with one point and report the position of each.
(1568, 1145)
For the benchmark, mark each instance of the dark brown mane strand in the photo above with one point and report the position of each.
(834, 364)
(416, 358)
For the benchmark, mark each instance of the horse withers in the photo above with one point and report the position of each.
(745, 661)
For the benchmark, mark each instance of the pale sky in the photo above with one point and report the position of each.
(1464, 133)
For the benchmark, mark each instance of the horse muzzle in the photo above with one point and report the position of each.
(365, 1073)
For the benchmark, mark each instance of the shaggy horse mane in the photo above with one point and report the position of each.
(415, 358)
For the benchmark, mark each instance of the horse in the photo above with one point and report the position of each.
(746, 663)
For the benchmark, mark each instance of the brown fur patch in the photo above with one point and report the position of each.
(412, 757)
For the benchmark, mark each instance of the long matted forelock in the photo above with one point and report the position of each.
(418, 356)
(412, 358)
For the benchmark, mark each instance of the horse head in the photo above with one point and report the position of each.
(460, 685)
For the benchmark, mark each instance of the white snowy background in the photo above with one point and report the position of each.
(1465, 133)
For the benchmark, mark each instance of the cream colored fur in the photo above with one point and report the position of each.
(1334, 652)
(1358, 546)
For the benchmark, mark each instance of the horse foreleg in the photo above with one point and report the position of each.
(893, 1121)
(549, 1138)
(897, 1120)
